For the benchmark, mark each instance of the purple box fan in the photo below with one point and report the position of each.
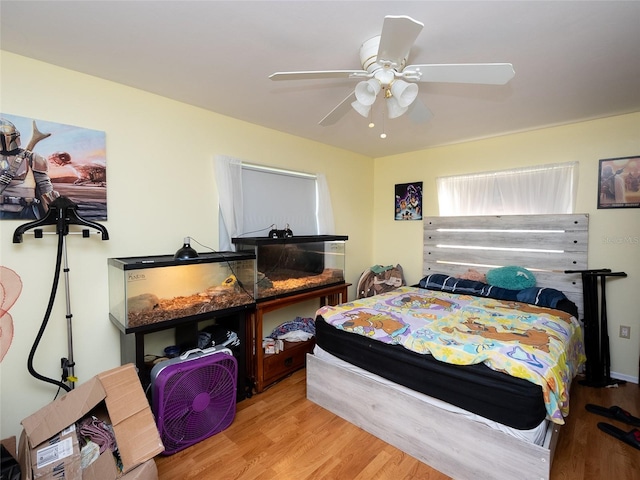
(194, 396)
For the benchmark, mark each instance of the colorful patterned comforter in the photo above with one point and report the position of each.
(538, 344)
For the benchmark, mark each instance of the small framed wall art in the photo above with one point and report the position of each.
(408, 204)
(619, 182)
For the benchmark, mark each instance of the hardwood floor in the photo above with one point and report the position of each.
(279, 434)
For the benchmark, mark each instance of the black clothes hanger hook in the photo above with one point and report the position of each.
(62, 213)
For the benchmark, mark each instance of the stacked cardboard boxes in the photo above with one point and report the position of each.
(49, 447)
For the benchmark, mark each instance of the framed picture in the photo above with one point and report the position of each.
(408, 205)
(76, 165)
(619, 182)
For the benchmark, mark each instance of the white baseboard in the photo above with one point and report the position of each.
(627, 378)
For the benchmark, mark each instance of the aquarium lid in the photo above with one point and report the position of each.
(293, 239)
(151, 261)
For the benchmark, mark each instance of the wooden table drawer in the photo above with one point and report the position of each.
(292, 358)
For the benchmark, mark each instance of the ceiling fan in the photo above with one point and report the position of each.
(384, 70)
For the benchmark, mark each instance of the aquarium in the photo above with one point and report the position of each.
(146, 291)
(289, 265)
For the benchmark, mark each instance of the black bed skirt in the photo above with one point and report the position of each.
(497, 396)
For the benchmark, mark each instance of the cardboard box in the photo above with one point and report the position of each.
(58, 457)
(104, 468)
(117, 394)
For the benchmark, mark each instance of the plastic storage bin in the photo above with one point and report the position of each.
(146, 291)
(285, 266)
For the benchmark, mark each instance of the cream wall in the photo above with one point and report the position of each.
(614, 235)
(161, 187)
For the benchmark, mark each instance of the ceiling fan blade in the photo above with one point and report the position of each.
(318, 74)
(486, 73)
(419, 113)
(398, 35)
(339, 111)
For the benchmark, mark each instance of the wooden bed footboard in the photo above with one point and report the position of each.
(451, 443)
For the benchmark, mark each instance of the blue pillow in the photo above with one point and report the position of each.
(545, 297)
(511, 277)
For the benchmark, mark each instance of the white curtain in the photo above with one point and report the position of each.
(326, 225)
(228, 171)
(541, 189)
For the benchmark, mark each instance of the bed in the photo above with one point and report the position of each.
(467, 421)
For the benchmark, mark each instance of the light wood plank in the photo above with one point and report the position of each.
(568, 240)
(549, 261)
(540, 221)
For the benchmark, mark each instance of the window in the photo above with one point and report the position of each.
(278, 198)
(256, 198)
(541, 189)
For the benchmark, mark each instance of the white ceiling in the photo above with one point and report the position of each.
(574, 60)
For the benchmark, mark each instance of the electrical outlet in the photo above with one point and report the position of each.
(625, 332)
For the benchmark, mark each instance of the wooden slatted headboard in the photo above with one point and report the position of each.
(545, 244)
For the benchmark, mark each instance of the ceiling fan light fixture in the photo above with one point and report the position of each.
(385, 76)
(394, 110)
(367, 91)
(361, 109)
(404, 92)
(384, 70)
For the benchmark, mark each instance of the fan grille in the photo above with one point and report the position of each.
(195, 400)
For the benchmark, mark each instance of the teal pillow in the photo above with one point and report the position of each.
(511, 278)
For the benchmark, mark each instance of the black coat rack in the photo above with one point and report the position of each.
(62, 213)
(596, 330)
